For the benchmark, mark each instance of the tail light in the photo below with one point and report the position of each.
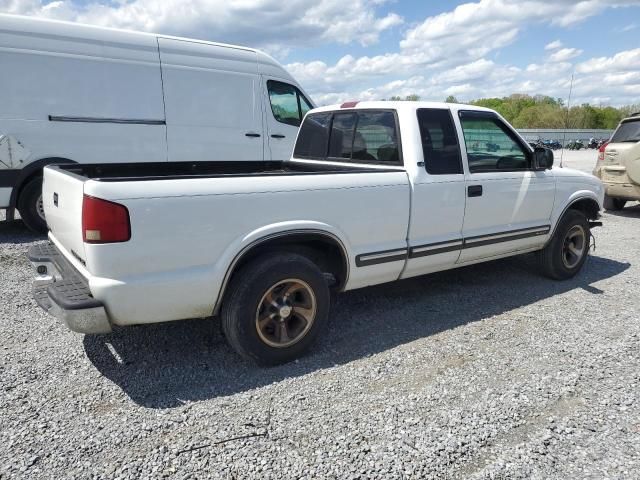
(601, 151)
(104, 221)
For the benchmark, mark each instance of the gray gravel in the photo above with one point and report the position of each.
(490, 371)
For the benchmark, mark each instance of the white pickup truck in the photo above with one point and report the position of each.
(374, 192)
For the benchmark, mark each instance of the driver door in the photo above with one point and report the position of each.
(508, 204)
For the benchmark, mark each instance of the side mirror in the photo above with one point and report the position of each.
(542, 158)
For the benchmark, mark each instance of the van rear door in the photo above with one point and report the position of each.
(212, 100)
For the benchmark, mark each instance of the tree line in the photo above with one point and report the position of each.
(541, 111)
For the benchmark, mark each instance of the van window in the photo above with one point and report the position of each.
(314, 136)
(288, 105)
(368, 136)
(439, 141)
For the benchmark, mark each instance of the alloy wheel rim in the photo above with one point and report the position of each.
(286, 313)
(574, 246)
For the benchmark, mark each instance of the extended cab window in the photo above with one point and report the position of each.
(439, 141)
(287, 103)
(491, 146)
(368, 136)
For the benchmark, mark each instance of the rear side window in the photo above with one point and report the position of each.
(627, 132)
(288, 105)
(313, 137)
(367, 136)
(439, 141)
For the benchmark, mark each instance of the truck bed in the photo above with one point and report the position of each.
(123, 172)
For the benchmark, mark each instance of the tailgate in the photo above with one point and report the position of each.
(62, 194)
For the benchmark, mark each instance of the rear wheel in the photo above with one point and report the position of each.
(567, 251)
(275, 308)
(614, 204)
(31, 207)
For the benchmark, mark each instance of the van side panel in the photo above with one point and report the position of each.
(212, 98)
(54, 72)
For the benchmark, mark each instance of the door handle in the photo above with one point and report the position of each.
(252, 135)
(277, 135)
(474, 191)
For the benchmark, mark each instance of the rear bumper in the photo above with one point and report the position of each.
(64, 293)
(628, 191)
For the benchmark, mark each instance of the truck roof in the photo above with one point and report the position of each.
(47, 27)
(400, 105)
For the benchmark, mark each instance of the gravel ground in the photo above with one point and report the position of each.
(490, 371)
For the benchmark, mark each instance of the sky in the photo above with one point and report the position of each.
(373, 49)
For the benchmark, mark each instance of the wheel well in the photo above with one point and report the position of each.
(32, 171)
(588, 206)
(326, 251)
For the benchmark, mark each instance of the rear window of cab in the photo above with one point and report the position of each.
(360, 136)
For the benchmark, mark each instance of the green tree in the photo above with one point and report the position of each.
(451, 99)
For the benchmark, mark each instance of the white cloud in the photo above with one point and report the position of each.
(625, 61)
(272, 24)
(553, 45)
(564, 54)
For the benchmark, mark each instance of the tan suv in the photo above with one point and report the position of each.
(619, 164)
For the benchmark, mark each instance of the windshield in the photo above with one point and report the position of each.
(627, 132)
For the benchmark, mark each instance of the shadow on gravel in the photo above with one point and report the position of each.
(16, 231)
(630, 211)
(165, 365)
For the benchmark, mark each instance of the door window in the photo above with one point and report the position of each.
(288, 105)
(491, 146)
(439, 142)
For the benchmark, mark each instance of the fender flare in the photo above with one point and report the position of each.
(572, 201)
(248, 247)
(29, 171)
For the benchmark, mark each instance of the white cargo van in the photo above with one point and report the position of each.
(84, 94)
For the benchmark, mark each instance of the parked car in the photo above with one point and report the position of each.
(618, 164)
(374, 192)
(77, 93)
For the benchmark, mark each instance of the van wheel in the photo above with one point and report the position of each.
(31, 207)
(275, 308)
(567, 251)
(614, 204)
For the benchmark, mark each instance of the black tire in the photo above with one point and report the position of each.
(614, 204)
(245, 295)
(553, 258)
(28, 201)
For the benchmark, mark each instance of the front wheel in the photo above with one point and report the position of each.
(275, 308)
(31, 207)
(567, 251)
